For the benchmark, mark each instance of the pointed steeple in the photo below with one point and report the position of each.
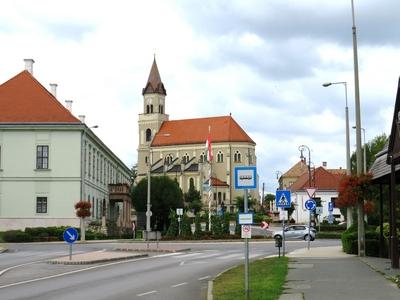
(154, 83)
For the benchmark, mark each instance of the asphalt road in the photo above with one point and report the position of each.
(182, 275)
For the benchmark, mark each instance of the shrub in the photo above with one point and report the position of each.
(17, 236)
(329, 235)
(350, 241)
(197, 226)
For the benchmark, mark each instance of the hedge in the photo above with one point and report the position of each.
(350, 242)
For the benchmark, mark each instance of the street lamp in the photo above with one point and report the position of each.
(365, 150)
(302, 157)
(348, 171)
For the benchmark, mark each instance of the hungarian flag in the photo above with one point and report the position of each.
(208, 148)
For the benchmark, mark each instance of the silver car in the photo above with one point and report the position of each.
(297, 232)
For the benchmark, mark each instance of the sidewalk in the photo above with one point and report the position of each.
(328, 273)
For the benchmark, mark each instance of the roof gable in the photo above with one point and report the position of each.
(24, 100)
(154, 83)
(322, 179)
(297, 170)
(195, 131)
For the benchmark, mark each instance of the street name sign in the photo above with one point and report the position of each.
(70, 235)
(245, 219)
(245, 178)
(282, 198)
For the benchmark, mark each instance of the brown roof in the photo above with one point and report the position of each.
(154, 83)
(195, 131)
(322, 179)
(297, 170)
(24, 100)
(218, 182)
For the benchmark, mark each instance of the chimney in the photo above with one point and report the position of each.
(29, 65)
(68, 105)
(53, 89)
(82, 118)
(324, 164)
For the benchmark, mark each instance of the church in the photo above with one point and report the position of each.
(176, 148)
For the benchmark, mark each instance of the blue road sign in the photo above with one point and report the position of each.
(282, 198)
(70, 235)
(245, 178)
(310, 204)
(330, 206)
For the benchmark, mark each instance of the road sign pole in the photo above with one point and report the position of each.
(309, 226)
(70, 251)
(283, 235)
(246, 250)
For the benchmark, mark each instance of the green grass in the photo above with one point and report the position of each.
(266, 280)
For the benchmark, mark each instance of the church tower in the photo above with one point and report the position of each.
(152, 117)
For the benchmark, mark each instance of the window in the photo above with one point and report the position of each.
(151, 108)
(220, 157)
(219, 197)
(42, 157)
(94, 164)
(168, 159)
(148, 135)
(215, 196)
(160, 109)
(191, 182)
(237, 157)
(147, 109)
(90, 161)
(41, 205)
(185, 158)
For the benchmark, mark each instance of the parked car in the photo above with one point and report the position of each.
(297, 232)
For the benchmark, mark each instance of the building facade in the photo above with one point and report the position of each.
(176, 148)
(49, 160)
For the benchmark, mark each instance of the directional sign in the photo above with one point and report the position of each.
(282, 198)
(70, 235)
(245, 178)
(310, 204)
(264, 225)
(330, 206)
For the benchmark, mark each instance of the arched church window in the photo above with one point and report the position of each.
(148, 135)
(237, 157)
(151, 108)
(161, 109)
(202, 157)
(185, 158)
(191, 182)
(147, 109)
(220, 157)
(168, 159)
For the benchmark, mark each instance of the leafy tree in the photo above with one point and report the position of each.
(238, 227)
(186, 230)
(165, 195)
(290, 210)
(240, 203)
(269, 198)
(173, 224)
(226, 223)
(193, 199)
(216, 226)
(197, 226)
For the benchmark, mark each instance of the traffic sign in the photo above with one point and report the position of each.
(283, 215)
(330, 206)
(246, 231)
(310, 204)
(245, 219)
(264, 225)
(245, 178)
(282, 198)
(70, 235)
(179, 211)
(310, 192)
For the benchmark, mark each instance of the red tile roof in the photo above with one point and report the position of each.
(24, 100)
(218, 182)
(323, 180)
(195, 131)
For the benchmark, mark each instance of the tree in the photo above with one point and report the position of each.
(165, 195)
(226, 223)
(216, 226)
(83, 211)
(269, 198)
(197, 226)
(186, 230)
(173, 224)
(193, 199)
(240, 203)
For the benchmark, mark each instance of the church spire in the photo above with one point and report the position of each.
(154, 83)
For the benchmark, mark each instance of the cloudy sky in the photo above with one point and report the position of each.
(263, 61)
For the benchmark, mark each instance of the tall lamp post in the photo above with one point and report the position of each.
(365, 151)
(302, 157)
(360, 205)
(348, 166)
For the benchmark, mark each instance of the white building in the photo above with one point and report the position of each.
(49, 160)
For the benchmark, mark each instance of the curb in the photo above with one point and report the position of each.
(2, 250)
(94, 261)
(152, 250)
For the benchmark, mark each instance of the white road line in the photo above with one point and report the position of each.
(236, 255)
(147, 293)
(205, 277)
(182, 263)
(179, 284)
(188, 255)
(168, 254)
(209, 255)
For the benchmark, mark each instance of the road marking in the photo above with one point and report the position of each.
(236, 255)
(168, 254)
(147, 293)
(209, 255)
(205, 277)
(182, 263)
(179, 284)
(188, 255)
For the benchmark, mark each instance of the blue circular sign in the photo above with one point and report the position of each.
(70, 235)
(310, 204)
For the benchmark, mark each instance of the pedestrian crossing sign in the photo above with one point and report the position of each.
(282, 198)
